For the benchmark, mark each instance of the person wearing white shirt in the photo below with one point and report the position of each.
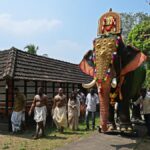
(91, 102)
(144, 100)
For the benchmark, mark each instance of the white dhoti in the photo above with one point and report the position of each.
(60, 117)
(40, 114)
(73, 118)
(16, 120)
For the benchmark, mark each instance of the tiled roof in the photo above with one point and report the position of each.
(18, 64)
(7, 63)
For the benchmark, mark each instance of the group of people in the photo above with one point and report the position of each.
(65, 113)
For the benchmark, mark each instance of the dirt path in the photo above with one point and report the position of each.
(107, 142)
(102, 142)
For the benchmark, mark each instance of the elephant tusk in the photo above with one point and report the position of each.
(89, 85)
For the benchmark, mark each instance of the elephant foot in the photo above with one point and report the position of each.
(104, 128)
(122, 129)
(118, 128)
(130, 129)
(111, 127)
(126, 128)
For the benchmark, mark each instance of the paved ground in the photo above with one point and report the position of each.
(101, 141)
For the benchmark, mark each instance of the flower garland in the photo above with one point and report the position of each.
(112, 98)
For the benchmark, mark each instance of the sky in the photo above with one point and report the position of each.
(63, 29)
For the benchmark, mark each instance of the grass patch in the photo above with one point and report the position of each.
(6, 145)
(52, 140)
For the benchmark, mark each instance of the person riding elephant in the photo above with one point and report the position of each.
(111, 62)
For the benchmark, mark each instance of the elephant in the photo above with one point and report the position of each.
(130, 90)
(111, 63)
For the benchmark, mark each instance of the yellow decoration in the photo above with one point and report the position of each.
(104, 48)
(112, 98)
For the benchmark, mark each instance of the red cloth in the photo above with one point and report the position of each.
(134, 64)
(86, 68)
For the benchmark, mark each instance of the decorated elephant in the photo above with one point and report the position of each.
(130, 90)
(112, 64)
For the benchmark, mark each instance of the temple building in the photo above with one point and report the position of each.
(28, 72)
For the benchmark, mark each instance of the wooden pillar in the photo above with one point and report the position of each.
(25, 88)
(61, 85)
(35, 87)
(12, 94)
(6, 102)
(73, 86)
(45, 87)
(53, 85)
(67, 91)
(79, 86)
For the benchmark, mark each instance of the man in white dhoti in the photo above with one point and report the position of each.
(18, 114)
(40, 107)
(60, 110)
(73, 111)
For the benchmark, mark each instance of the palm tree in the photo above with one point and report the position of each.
(32, 49)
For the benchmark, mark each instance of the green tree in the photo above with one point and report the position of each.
(139, 37)
(147, 81)
(130, 20)
(148, 2)
(32, 49)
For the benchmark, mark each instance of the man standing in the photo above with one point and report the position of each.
(144, 100)
(18, 114)
(40, 107)
(81, 97)
(91, 102)
(60, 110)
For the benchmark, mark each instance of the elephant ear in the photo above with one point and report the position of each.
(137, 61)
(87, 64)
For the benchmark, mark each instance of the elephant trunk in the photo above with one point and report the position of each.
(104, 50)
(104, 105)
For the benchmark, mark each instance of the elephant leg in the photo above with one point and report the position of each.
(136, 110)
(124, 114)
(138, 79)
(124, 111)
(111, 118)
(104, 104)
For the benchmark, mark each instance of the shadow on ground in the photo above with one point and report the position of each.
(127, 146)
(51, 133)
